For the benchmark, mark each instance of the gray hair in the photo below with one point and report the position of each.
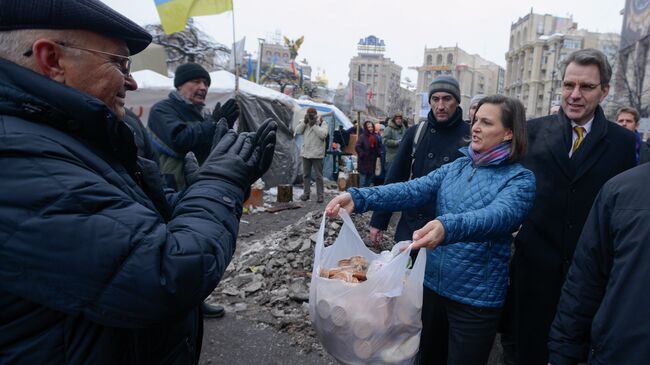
(591, 56)
(14, 43)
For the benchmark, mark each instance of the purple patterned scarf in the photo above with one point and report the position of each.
(493, 156)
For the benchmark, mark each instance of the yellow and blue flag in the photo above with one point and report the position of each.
(174, 13)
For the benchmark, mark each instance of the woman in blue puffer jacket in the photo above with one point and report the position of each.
(481, 199)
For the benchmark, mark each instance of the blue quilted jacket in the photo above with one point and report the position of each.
(479, 208)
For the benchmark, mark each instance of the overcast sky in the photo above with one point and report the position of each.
(332, 28)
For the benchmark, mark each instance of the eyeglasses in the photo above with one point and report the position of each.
(123, 62)
(569, 86)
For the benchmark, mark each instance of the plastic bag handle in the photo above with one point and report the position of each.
(347, 220)
(320, 244)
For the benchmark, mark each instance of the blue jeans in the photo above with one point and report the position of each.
(366, 179)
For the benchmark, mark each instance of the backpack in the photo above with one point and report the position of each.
(418, 138)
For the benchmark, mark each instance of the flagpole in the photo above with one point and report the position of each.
(234, 49)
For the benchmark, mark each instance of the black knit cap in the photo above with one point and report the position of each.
(447, 84)
(190, 71)
(90, 15)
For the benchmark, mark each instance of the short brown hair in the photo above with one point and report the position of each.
(513, 117)
(591, 56)
(629, 109)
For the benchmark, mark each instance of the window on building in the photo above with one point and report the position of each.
(572, 44)
(439, 60)
(450, 58)
(429, 59)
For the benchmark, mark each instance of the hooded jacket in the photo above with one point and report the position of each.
(92, 268)
(393, 135)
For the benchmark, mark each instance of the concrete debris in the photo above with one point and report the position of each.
(269, 277)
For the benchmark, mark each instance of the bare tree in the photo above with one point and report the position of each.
(190, 45)
(630, 78)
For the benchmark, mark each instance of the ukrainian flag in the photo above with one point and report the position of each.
(174, 13)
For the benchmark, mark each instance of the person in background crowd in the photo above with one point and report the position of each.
(601, 317)
(572, 155)
(393, 135)
(629, 118)
(380, 166)
(439, 141)
(368, 149)
(473, 104)
(312, 152)
(97, 264)
(481, 199)
(181, 123)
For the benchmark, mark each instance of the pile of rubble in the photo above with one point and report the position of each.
(268, 279)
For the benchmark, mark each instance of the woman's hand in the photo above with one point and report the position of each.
(429, 236)
(341, 201)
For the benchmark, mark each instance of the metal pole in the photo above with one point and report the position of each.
(234, 50)
(259, 59)
(358, 112)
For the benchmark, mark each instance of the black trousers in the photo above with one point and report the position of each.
(454, 333)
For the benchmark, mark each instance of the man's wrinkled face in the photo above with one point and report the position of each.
(398, 121)
(582, 92)
(443, 105)
(97, 74)
(195, 90)
(626, 120)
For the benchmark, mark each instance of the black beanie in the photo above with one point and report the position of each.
(190, 71)
(447, 84)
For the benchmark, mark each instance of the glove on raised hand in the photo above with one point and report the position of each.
(233, 159)
(229, 111)
(265, 145)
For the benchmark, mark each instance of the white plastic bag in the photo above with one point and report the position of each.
(373, 322)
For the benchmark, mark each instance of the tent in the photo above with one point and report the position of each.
(256, 104)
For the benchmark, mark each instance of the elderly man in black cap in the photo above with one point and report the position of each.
(97, 265)
(181, 123)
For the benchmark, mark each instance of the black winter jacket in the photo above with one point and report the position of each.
(91, 270)
(603, 311)
(176, 129)
(439, 145)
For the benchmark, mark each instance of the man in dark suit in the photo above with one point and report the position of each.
(572, 155)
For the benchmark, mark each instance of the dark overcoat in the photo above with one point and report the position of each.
(566, 189)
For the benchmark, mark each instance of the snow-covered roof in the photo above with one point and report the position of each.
(148, 79)
(224, 81)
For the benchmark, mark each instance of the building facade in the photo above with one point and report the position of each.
(534, 61)
(475, 75)
(379, 73)
(632, 81)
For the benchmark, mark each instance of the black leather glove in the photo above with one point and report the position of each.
(233, 159)
(229, 111)
(190, 168)
(265, 145)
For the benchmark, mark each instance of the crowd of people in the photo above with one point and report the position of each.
(113, 233)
